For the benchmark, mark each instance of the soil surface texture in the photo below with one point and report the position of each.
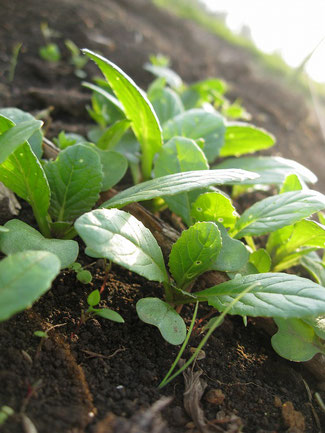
(103, 377)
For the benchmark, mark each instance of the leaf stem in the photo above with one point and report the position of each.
(42, 222)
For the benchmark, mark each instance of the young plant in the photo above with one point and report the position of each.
(82, 274)
(93, 300)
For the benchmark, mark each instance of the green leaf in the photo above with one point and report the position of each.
(292, 183)
(113, 134)
(194, 252)
(23, 174)
(196, 124)
(275, 295)
(261, 260)
(13, 137)
(106, 313)
(176, 183)
(233, 255)
(22, 237)
(296, 340)
(180, 155)
(41, 334)
(106, 95)
(214, 206)
(313, 264)
(114, 166)
(75, 178)
(121, 238)
(93, 298)
(278, 211)
(84, 277)
(164, 317)
(209, 90)
(24, 277)
(286, 247)
(272, 169)
(166, 103)
(173, 79)
(243, 138)
(19, 116)
(137, 108)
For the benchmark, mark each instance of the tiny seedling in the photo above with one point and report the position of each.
(50, 52)
(5, 413)
(93, 300)
(82, 275)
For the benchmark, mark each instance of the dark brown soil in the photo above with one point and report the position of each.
(95, 378)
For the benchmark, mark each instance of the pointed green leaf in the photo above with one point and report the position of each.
(243, 138)
(13, 137)
(296, 340)
(214, 206)
(305, 233)
(106, 313)
(195, 124)
(113, 134)
(164, 317)
(275, 295)
(24, 277)
(75, 178)
(19, 116)
(180, 155)
(121, 238)
(176, 183)
(137, 108)
(22, 237)
(278, 211)
(194, 252)
(93, 298)
(272, 169)
(292, 183)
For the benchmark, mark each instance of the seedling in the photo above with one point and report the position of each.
(93, 300)
(76, 59)
(50, 52)
(5, 413)
(82, 274)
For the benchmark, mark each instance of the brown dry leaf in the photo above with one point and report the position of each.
(9, 205)
(148, 421)
(293, 419)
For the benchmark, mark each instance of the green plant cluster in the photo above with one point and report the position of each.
(170, 138)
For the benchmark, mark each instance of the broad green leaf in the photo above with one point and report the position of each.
(22, 237)
(166, 103)
(176, 183)
(214, 206)
(137, 108)
(198, 124)
(313, 264)
(292, 183)
(173, 79)
(75, 179)
(261, 260)
(194, 252)
(278, 211)
(13, 136)
(160, 314)
(274, 295)
(296, 340)
(293, 244)
(24, 277)
(272, 169)
(106, 313)
(93, 298)
(113, 134)
(233, 254)
(121, 238)
(243, 138)
(180, 155)
(24, 175)
(114, 166)
(19, 116)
